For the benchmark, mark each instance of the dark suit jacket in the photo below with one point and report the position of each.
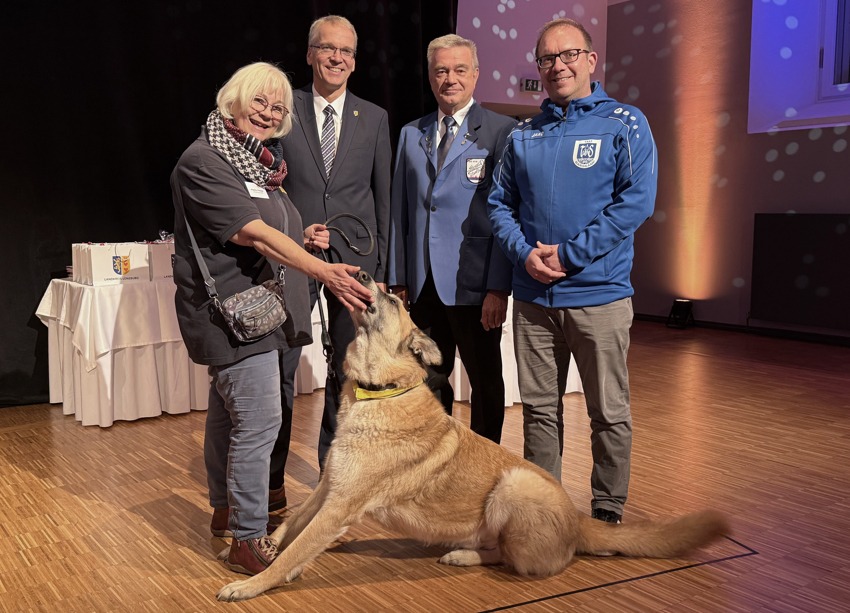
(359, 182)
(441, 220)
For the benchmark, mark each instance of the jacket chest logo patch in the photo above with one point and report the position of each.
(586, 152)
(475, 170)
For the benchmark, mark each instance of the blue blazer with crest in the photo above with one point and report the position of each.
(440, 220)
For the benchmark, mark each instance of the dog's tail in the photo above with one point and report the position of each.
(655, 539)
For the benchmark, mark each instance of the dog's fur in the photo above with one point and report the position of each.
(419, 472)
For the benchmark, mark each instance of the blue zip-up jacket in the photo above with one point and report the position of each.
(585, 180)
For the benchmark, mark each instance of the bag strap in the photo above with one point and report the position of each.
(209, 282)
(281, 269)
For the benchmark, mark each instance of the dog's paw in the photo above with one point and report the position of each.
(238, 590)
(461, 557)
(294, 574)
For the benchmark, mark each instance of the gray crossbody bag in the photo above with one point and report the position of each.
(251, 314)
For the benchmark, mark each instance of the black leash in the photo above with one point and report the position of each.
(327, 346)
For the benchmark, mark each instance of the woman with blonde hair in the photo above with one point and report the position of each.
(226, 187)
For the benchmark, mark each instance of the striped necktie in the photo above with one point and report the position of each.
(328, 139)
(446, 142)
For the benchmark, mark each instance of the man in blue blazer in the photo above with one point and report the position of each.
(338, 161)
(443, 258)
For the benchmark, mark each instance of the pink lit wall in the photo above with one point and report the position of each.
(686, 64)
(505, 32)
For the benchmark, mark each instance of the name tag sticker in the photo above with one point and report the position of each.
(256, 191)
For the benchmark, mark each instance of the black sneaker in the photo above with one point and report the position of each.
(605, 515)
(609, 517)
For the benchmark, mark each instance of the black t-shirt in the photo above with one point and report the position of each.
(218, 203)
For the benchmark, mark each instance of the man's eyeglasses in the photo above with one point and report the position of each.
(329, 50)
(260, 104)
(567, 57)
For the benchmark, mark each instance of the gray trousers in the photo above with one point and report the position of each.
(598, 338)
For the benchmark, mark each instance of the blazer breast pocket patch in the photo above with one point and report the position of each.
(476, 170)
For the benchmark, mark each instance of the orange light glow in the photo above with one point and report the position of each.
(698, 135)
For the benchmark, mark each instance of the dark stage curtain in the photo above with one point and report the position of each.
(104, 97)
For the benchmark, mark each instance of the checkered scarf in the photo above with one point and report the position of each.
(264, 165)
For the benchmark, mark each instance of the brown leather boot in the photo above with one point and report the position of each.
(218, 525)
(251, 556)
(277, 499)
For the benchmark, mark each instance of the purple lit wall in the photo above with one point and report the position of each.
(787, 89)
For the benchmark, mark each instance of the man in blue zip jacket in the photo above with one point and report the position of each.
(574, 184)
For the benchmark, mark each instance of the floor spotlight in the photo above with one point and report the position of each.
(681, 314)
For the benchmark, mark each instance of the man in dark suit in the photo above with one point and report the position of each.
(442, 254)
(339, 160)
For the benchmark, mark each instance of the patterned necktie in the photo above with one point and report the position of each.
(446, 143)
(328, 139)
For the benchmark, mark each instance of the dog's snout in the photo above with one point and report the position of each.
(362, 276)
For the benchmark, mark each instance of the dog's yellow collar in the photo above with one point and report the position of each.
(364, 394)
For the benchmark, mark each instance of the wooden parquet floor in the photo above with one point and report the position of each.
(116, 519)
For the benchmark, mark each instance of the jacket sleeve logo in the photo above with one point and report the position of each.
(475, 170)
(586, 152)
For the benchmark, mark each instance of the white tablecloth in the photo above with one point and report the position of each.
(115, 353)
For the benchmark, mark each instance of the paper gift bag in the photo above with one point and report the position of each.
(161, 258)
(114, 263)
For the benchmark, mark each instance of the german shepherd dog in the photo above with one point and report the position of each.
(401, 460)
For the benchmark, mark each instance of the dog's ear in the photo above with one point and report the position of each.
(424, 348)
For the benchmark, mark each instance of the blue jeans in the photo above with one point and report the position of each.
(243, 420)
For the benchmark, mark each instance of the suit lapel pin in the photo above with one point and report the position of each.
(356, 113)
